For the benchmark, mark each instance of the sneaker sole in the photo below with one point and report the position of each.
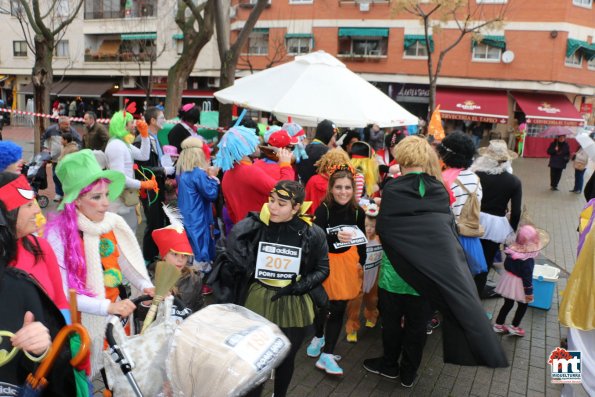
(380, 373)
(515, 334)
(328, 372)
(313, 356)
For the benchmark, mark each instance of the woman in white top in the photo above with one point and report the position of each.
(95, 248)
(457, 151)
(121, 155)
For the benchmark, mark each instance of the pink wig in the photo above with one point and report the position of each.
(65, 225)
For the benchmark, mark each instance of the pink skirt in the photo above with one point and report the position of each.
(511, 287)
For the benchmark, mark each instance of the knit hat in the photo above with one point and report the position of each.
(325, 131)
(270, 131)
(10, 153)
(498, 150)
(78, 170)
(234, 145)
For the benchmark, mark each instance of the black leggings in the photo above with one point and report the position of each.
(284, 372)
(334, 324)
(518, 315)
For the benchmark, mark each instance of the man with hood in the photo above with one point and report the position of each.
(323, 141)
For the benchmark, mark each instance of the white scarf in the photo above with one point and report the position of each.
(129, 248)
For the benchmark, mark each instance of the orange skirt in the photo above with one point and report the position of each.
(346, 275)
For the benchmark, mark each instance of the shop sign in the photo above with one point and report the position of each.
(547, 108)
(587, 108)
(416, 93)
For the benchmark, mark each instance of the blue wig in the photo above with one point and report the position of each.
(9, 153)
(234, 145)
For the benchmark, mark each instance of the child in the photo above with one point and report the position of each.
(68, 145)
(517, 283)
(175, 249)
(369, 293)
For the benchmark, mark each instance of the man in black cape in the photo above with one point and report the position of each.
(418, 234)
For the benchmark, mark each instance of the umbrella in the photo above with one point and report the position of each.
(315, 87)
(36, 382)
(555, 130)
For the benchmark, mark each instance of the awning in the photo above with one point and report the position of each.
(139, 36)
(298, 35)
(474, 105)
(260, 30)
(86, 89)
(178, 36)
(551, 109)
(573, 45)
(55, 90)
(492, 41)
(363, 32)
(411, 39)
(161, 93)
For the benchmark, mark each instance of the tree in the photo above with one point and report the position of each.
(43, 26)
(278, 54)
(229, 53)
(468, 17)
(188, 17)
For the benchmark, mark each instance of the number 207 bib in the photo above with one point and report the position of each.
(277, 261)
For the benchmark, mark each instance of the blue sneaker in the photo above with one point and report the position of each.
(315, 347)
(327, 363)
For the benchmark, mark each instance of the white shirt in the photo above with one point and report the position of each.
(121, 156)
(471, 181)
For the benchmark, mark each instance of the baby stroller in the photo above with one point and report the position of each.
(37, 176)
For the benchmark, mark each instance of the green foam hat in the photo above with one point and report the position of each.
(78, 170)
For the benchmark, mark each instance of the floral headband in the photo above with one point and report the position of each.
(342, 167)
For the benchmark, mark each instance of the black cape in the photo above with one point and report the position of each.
(419, 237)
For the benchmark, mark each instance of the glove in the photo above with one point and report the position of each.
(288, 290)
(169, 170)
(151, 184)
(143, 128)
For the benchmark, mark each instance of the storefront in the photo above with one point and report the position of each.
(542, 111)
(414, 98)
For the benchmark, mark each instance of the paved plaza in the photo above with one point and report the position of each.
(528, 373)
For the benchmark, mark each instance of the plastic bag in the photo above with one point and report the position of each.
(223, 350)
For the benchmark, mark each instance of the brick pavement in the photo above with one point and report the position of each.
(528, 374)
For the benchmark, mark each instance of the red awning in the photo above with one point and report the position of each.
(161, 93)
(551, 109)
(473, 105)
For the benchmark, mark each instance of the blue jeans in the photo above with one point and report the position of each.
(579, 176)
(57, 182)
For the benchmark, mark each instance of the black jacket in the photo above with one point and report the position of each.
(233, 271)
(306, 168)
(559, 154)
(177, 135)
(419, 238)
(24, 294)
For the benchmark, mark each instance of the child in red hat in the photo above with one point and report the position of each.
(174, 248)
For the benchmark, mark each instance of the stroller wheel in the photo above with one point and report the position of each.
(43, 201)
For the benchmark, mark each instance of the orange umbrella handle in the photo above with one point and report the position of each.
(59, 341)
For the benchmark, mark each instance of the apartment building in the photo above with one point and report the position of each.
(107, 52)
(539, 67)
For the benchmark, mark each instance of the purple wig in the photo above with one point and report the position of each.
(65, 225)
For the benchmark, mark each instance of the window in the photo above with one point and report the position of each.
(486, 53)
(253, 2)
(179, 46)
(591, 63)
(298, 45)
(363, 46)
(16, 9)
(301, 1)
(62, 8)
(583, 3)
(258, 42)
(61, 49)
(492, 1)
(19, 48)
(574, 60)
(417, 50)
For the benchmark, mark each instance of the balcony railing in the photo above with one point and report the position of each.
(122, 57)
(94, 9)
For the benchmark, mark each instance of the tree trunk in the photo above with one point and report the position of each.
(42, 78)
(226, 79)
(177, 77)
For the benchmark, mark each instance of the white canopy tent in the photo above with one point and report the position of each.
(315, 87)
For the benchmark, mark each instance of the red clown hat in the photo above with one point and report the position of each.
(173, 237)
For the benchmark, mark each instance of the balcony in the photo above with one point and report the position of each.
(117, 9)
(121, 48)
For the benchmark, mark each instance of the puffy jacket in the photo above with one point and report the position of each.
(235, 265)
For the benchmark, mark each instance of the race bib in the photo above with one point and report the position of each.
(373, 257)
(358, 236)
(258, 346)
(277, 261)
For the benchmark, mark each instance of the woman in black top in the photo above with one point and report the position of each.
(339, 215)
(559, 152)
(189, 115)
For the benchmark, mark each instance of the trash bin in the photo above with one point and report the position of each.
(544, 283)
